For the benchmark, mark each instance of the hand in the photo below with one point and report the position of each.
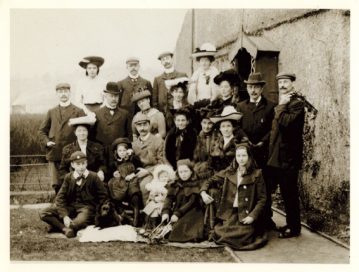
(50, 143)
(130, 176)
(165, 217)
(174, 218)
(284, 99)
(247, 220)
(67, 221)
(101, 175)
(142, 173)
(116, 174)
(207, 199)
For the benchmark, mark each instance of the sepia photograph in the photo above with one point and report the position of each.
(179, 135)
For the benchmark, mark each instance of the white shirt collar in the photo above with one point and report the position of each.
(66, 104)
(258, 100)
(227, 140)
(170, 70)
(76, 175)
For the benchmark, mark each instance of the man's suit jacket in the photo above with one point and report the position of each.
(160, 94)
(128, 87)
(110, 127)
(55, 128)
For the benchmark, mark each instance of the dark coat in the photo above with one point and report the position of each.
(160, 94)
(183, 200)
(92, 193)
(251, 193)
(94, 153)
(110, 127)
(121, 190)
(256, 125)
(221, 156)
(286, 138)
(180, 145)
(128, 87)
(55, 128)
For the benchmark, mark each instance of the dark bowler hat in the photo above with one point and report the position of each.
(254, 79)
(132, 60)
(98, 61)
(142, 93)
(63, 86)
(77, 156)
(163, 54)
(285, 75)
(229, 75)
(112, 87)
(121, 141)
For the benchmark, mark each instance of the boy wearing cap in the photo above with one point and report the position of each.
(76, 202)
(55, 132)
(160, 94)
(256, 123)
(132, 83)
(285, 151)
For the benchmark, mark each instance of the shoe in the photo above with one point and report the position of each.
(282, 228)
(288, 233)
(52, 229)
(69, 233)
(270, 225)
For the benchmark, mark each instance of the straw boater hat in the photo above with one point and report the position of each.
(255, 79)
(285, 75)
(98, 61)
(87, 121)
(140, 94)
(228, 113)
(206, 50)
(177, 82)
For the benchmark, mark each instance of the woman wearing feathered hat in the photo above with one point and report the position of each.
(201, 83)
(223, 145)
(89, 90)
(142, 98)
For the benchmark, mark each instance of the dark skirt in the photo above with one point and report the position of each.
(238, 236)
(189, 227)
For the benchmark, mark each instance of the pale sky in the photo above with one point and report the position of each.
(53, 41)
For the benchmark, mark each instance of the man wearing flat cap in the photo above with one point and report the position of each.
(160, 93)
(256, 123)
(285, 151)
(112, 121)
(132, 83)
(55, 132)
(149, 148)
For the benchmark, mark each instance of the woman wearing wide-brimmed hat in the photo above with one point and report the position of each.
(89, 90)
(157, 120)
(201, 83)
(223, 145)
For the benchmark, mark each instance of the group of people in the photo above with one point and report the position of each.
(194, 152)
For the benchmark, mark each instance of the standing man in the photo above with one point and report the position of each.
(285, 151)
(149, 148)
(112, 121)
(55, 132)
(256, 123)
(132, 83)
(160, 94)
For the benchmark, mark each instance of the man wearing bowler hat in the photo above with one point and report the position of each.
(112, 121)
(256, 123)
(285, 151)
(55, 132)
(132, 83)
(160, 94)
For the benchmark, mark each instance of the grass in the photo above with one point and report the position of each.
(28, 243)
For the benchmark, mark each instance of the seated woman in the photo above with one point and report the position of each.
(157, 119)
(181, 140)
(223, 145)
(93, 151)
(201, 83)
(241, 205)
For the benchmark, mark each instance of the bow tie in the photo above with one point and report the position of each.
(79, 179)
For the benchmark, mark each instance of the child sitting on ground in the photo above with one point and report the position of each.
(184, 205)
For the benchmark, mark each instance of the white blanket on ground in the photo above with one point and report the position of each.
(125, 233)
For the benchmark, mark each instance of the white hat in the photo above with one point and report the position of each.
(174, 82)
(206, 50)
(228, 113)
